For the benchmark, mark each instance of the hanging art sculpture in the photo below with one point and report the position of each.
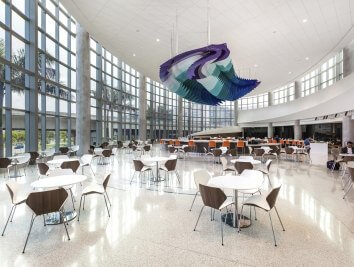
(205, 75)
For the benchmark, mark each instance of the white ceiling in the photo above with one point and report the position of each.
(268, 39)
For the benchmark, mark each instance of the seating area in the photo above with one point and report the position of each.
(176, 133)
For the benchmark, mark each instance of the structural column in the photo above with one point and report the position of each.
(83, 111)
(270, 130)
(180, 117)
(235, 113)
(297, 130)
(347, 130)
(142, 108)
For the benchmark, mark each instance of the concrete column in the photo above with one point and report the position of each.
(297, 130)
(270, 99)
(347, 130)
(83, 111)
(235, 113)
(270, 130)
(297, 90)
(179, 117)
(142, 108)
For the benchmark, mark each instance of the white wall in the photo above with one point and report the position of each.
(336, 98)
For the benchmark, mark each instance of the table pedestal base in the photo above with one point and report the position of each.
(245, 222)
(55, 218)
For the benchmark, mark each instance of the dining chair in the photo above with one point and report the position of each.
(18, 194)
(106, 155)
(240, 166)
(5, 164)
(96, 189)
(34, 156)
(141, 168)
(65, 171)
(266, 203)
(170, 166)
(64, 150)
(45, 202)
(216, 199)
(72, 164)
(289, 153)
(266, 171)
(259, 152)
(226, 167)
(200, 177)
(43, 169)
(217, 153)
(232, 152)
(86, 161)
(241, 145)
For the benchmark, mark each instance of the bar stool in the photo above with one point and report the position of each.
(212, 144)
(226, 143)
(241, 144)
(192, 145)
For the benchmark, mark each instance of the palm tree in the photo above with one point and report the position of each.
(18, 77)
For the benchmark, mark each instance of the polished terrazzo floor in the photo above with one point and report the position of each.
(152, 225)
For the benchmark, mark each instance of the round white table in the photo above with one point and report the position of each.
(248, 180)
(59, 182)
(157, 160)
(59, 161)
(14, 162)
(346, 155)
(253, 161)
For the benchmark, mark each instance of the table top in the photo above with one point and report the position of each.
(241, 182)
(17, 157)
(155, 159)
(253, 161)
(346, 155)
(59, 161)
(58, 181)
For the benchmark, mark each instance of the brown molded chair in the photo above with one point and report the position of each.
(64, 150)
(147, 148)
(258, 153)
(232, 152)
(96, 189)
(240, 166)
(170, 166)
(217, 153)
(214, 198)
(71, 164)
(34, 156)
(43, 169)
(171, 149)
(266, 203)
(45, 202)
(289, 153)
(139, 167)
(18, 194)
(5, 163)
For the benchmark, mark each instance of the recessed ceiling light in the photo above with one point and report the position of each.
(304, 20)
(255, 65)
(307, 58)
(157, 40)
(134, 55)
(289, 72)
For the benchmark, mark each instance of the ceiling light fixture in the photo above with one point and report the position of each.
(157, 40)
(289, 72)
(255, 65)
(307, 58)
(134, 55)
(304, 20)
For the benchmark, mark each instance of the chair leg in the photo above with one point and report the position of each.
(200, 213)
(255, 213)
(78, 217)
(131, 180)
(349, 188)
(66, 229)
(44, 221)
(279, 218)
(72, 197)
(177, 175)
(271, 223)
(109, 215)
(222, 230)
(13, 213)
(10, 215)
(195, 196)
(109, 201)
(83, 204)
(29, 232)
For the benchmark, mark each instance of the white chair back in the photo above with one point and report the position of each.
(60, 157)
(223, 162)
(201, 177)
(86, 159)
(25, 158)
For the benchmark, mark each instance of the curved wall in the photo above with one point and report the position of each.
(336, 98)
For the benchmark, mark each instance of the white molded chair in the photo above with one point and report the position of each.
(200, 177)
